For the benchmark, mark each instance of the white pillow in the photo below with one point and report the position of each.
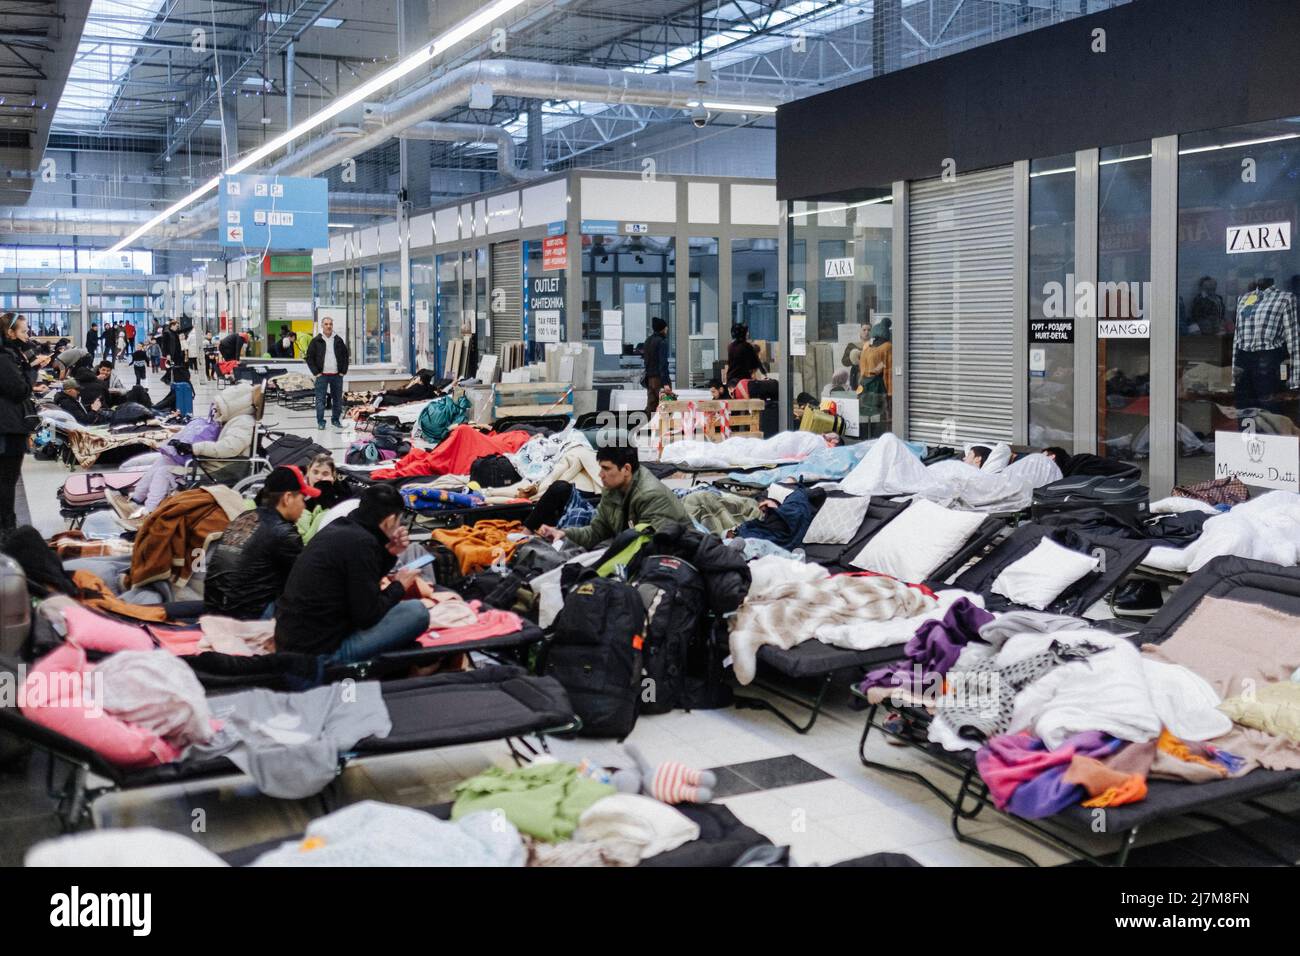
(837, 521)
(1037, 579)
(913, 545)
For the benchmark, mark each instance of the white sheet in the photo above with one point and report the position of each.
(1266, 528)
(890, 469)
(743, 452)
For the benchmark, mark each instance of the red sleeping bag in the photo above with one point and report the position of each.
(454, 456)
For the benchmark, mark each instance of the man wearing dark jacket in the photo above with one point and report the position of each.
(655, 354)
(70, 400)
(232, 346)
(251, 563)
(327, 358)
(334, 605)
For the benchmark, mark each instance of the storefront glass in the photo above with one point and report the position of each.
(629, 281)
(1238, 342)
(1123, 302)
(754, 286)
(479, 307)
(448, 303)
(1051, 304)
(370, 329)
(422, 309)
(390, 275)
(841, 273)
(707, 336)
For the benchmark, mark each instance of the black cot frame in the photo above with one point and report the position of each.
(75, 796)
(972, 797)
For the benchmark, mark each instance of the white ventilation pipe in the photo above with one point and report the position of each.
(523, 78)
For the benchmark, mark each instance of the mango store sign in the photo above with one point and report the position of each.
(1266, 461)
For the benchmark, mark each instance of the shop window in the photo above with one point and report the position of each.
(448, 303)
(708, 339)
(1052, 322)
(1123, 304)
(628, 281)
(1238, 191)
(841, 272)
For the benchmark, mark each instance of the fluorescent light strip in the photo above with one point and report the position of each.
(1244, 142)
(1124, 159)
(341, 225)
(1052, 172)
(438, 46)
(736, 107)
(865, 202)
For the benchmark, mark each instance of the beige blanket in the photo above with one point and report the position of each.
(1238, 648)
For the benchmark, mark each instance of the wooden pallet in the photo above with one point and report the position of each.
(744, 412)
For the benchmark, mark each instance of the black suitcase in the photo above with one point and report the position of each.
(1124, 497)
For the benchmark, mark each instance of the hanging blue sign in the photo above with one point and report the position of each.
(274, 212)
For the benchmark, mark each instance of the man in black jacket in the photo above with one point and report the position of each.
(251, 563)
(333, 604)
(84, 411)
(232, 346)
(327, 358)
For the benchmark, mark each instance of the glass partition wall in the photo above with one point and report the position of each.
(1238, 359)
(840, 290)
(1053, 322)
(1123, 298)
(628, 281)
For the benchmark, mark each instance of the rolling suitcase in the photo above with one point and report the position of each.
(1124, 497)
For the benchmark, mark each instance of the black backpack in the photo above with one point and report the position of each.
(493, 471)
(293, 450)
(672, 591)
(595, 653)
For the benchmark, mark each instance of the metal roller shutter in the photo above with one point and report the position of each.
(278, 294)
(960, 308)
(507, 275)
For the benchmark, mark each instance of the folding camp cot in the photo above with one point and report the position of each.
(445, 710)
(815, 661)
(1240, 579)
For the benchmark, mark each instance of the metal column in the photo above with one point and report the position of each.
(1085, 326)
(900, 308)
(1163, 314)
(1020, 305)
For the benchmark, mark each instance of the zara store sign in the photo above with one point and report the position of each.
(1259, 237)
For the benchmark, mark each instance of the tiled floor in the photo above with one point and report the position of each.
(809, 792)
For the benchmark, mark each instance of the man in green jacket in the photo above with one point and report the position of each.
(632, 496)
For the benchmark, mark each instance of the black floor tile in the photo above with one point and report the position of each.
(776, 772)
(731, 784)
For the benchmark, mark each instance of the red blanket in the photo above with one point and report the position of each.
(454, 456)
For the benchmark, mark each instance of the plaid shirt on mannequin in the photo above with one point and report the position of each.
(1267, 320)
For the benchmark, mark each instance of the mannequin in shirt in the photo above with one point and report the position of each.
(1266, 347)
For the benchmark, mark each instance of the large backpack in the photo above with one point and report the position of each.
(672, 591)
(293, 450)
(441, 415)
(595, 653)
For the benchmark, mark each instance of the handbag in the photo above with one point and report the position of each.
(1215, 491)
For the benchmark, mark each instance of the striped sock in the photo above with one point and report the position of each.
(674, 782)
